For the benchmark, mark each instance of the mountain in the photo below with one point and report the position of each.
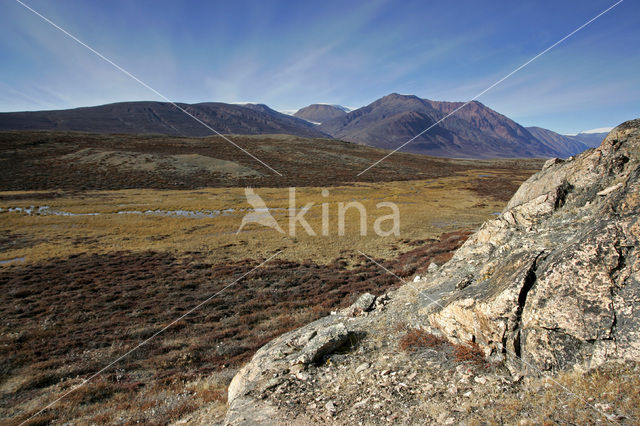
(591, 138)
(163, 118)
(319, 113)
(475, 131)
(566, 145)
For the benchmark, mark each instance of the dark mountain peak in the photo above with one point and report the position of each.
(258, 107)
(395, 95)
(396, 98)
(320, 113)
(474, 131)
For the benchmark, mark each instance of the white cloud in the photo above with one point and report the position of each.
(598, 130)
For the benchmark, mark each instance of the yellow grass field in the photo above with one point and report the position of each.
(89, 274)
(427, 209)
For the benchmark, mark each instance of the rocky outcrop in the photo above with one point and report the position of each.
(289, 356)
(550, 284)
(555, 278)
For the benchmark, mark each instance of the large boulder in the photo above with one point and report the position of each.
(554, 281)
(286, 355)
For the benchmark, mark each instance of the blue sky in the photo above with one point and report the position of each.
(288, 54)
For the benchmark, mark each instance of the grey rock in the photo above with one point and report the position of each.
(557, 276)
(365, 302)
(610, 189)
(362, 367)
(551, 283)
(331, 408)
(274, 362)
(552, 162)
(324, 342)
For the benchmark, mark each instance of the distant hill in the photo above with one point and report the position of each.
(591, 139)
(319, 113)
(566, 145)
(163, 118)
(47, 160)
(475, 131)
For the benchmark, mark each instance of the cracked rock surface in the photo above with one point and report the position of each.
(555, 278)
(551, 284)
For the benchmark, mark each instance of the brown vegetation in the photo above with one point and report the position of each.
(611, 389)
(40, 161)
(89, 288)
(418, 339)
(67, 318)
(471, 352)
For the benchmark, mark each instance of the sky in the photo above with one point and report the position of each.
(289, 54)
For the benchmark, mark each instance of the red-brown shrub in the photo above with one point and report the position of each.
(471, 353)
(417, 339)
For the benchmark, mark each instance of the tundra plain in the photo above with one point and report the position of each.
(106, 239)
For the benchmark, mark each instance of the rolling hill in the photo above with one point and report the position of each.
(79, 161)
(162, 118)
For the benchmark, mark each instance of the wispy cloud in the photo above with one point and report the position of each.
(289, 54)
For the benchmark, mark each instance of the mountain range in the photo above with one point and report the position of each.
(566, 145)
(474, 131)
(591, 138)
(163, 118)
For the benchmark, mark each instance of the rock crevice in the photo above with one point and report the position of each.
(529, 281)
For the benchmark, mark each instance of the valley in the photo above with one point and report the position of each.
(336, 213)
(105, 239)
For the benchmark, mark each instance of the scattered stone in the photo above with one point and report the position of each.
(481, 380)
(365, 302)
(362, 367)
(331, 408)
(361, 403)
